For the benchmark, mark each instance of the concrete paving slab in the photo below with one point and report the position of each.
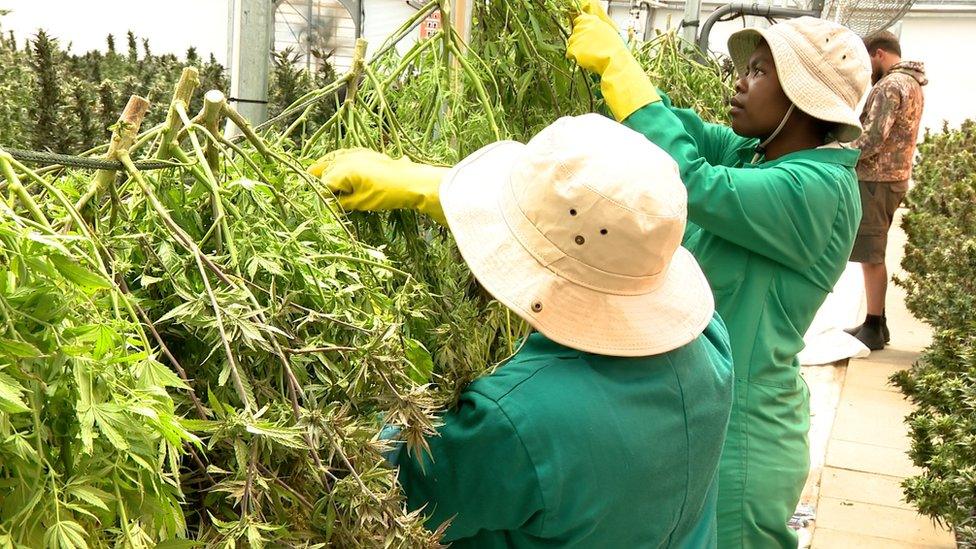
(867, 458)
(880, 521)
(872, 416)
(863, 487)
(874, 374)
(827, 538)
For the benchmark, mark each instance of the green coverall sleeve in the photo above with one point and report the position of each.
(478, 475)
(717, 144)
(783, 212)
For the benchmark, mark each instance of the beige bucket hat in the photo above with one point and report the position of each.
(823, 68)
(579, 233)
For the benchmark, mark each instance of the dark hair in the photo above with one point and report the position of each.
(883, 40)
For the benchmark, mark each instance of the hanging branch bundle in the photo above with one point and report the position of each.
(209, 351)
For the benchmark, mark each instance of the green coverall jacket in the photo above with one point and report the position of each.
(773, 238)
(562, 448)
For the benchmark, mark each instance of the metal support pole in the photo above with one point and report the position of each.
(249, 58)
(308, 36)
(463, 11)
(689, 22)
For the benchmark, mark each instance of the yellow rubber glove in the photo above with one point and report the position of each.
(595, 7)
(598, 48)
(367, 180)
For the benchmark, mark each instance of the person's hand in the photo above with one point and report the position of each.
(367, 180)
(594, 44)
(598, 48)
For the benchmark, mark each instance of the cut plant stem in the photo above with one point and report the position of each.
(123, 137)
(213, 107)
(356, 72)
(188, 82)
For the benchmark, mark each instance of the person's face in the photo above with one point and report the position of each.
(760, 103)
(877, 65)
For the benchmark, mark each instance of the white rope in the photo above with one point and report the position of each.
(761, 149)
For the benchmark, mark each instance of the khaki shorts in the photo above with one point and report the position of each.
(879, 200)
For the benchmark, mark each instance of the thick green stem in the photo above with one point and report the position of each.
(124, 136)
(479, 89)
(213, 106)
(123, 518)
(17, 189)
(246, 129)
(216, 204)
(188, 82)
(356, 72)
(187, 243)
(447, 26)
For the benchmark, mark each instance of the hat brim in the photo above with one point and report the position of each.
(672, 315)
(809, 93)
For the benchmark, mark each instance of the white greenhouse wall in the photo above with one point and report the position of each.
(383, 18)
(946, 43)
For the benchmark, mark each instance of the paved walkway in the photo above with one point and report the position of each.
(860, 501)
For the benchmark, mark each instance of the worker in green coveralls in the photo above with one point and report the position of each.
(606, 428)
(773, 208)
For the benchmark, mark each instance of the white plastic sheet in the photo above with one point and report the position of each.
(826, 341)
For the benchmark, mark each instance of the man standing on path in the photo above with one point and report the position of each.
(891, 120)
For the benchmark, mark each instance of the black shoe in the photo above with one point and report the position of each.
(884, 330)
(871, 336)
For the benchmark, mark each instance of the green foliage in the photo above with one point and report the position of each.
(48, 109)
(90, 439)
(940, 260)
(16, 94)
(51, 99)
(289, 82)
(290, 331)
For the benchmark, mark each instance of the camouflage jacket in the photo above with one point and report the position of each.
(891, 119)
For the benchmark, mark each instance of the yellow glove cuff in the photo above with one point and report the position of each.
(427, 183)
(626, 87)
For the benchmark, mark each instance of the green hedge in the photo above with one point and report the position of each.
(940, 261)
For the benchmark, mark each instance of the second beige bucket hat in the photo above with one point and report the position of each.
(579, 233)
(823, 67)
